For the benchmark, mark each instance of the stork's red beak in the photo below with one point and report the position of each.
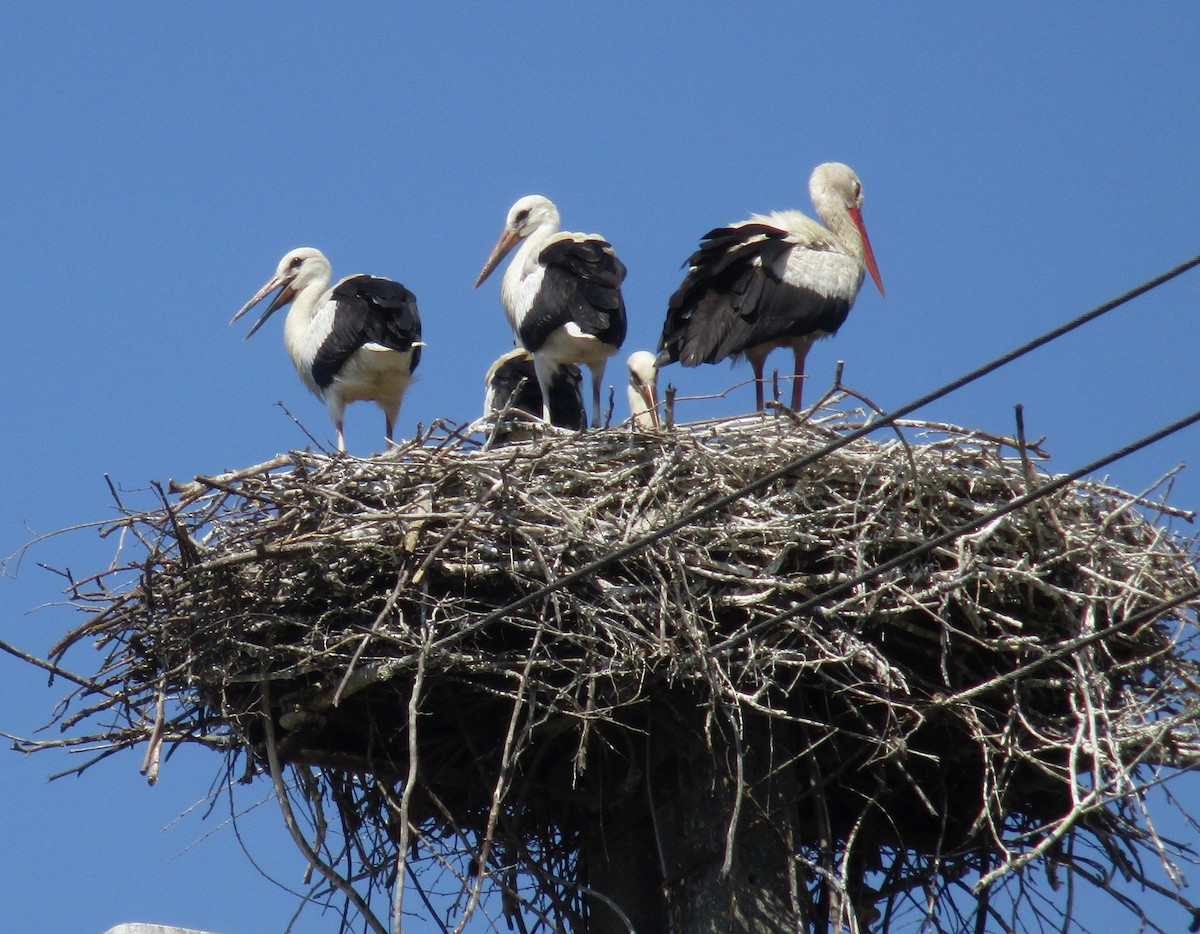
(868, 253)
(650, 394)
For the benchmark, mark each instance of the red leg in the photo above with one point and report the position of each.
(757, 362)
(798, 378)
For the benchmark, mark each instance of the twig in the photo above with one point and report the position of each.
(414, 757)
(314, 860)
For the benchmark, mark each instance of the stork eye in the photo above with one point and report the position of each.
(522, 217)
(296, 262)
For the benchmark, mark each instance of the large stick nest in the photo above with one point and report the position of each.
(947, 712)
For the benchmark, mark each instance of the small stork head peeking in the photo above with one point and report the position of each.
(359, 341)
(642, 390)
(775, 280)
(561, 292)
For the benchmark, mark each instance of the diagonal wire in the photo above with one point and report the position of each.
(924, 548)
(799, 463)
(1063, 649)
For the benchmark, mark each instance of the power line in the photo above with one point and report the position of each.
(1071, 646)
(804, 461)
(925, 547)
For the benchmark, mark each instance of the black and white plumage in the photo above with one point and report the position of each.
(642, 391)
(561, 292)
(359, 341)
(775, 280)
(512, 383)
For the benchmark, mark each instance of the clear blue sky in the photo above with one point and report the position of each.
(1021, 164)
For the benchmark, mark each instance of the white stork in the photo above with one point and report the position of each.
(775, 280)
(359, 341)
(561, 292)
(512, 383)
(642, 390)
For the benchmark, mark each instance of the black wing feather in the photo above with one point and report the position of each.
(731, 300)
(514, 385)
(370, 310)
(582, 283)
(566, 396)
(724, 285)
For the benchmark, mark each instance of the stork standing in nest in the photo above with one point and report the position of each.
(775, 280)
(359, 341)
(561, 292)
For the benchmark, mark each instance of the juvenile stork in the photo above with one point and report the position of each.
(642, 390)
(775, 280)
(561, 292)
(512, 383)
(359, 341)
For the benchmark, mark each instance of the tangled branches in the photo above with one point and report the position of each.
(662, 743)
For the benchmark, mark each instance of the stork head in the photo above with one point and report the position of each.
(643, 388)
(533, 212)
(837, 195)
(296, 271)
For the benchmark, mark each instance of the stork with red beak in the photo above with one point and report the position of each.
(775, 280)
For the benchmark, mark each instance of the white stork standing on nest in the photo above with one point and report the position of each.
(512, 383)
(642, 390)
(359, 341)
(775, 280)
(561, 292)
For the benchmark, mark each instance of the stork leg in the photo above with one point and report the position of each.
(756, 361)
(800, 350)
(390, 414)
(597, 378)
(544, 370)
(337, 412)
(798, 378)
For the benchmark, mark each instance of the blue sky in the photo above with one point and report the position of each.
(1021, 164)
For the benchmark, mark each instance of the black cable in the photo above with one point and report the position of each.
(1071, 646)
(722, 501)
(925, 547)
